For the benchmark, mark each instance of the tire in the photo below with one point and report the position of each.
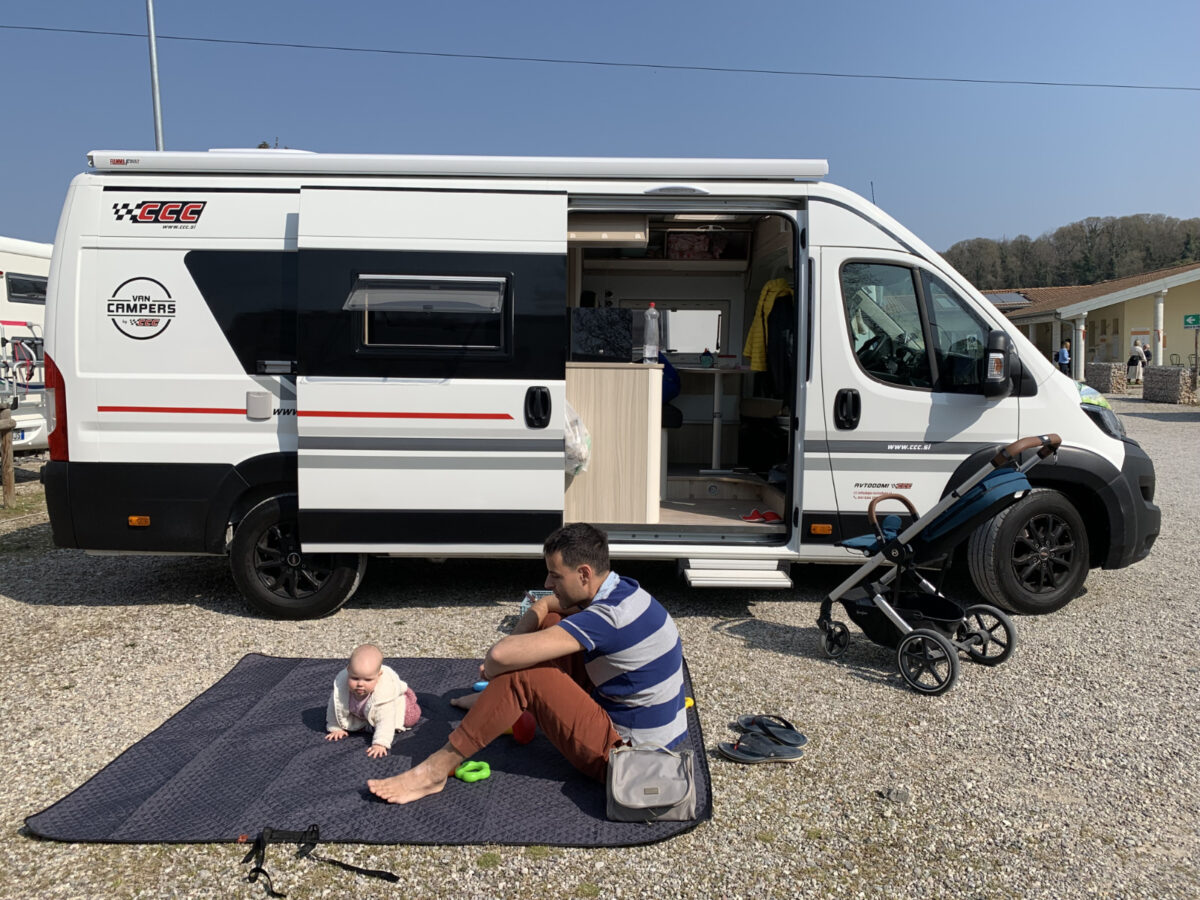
(1031, 557)
(835, 641)
(279, 581)
(928, 662)
(996, 633)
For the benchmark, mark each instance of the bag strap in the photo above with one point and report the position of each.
(308, 840)
(657, 747)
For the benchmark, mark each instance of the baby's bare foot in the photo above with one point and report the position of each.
(466, 701)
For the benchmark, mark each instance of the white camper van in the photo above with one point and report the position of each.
(24, 267)
(304, 359)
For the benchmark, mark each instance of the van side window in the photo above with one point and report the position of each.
(883, 314)
(430, 311)
(26, 288)
(959, 338)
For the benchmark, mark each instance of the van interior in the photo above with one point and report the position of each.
(706, 449)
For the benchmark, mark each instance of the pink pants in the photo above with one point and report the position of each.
(557, 694)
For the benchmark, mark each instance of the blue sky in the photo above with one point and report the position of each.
(952, 161)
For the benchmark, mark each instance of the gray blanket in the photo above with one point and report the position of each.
(250, 753)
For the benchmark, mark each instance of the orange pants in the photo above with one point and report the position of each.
(558, 695)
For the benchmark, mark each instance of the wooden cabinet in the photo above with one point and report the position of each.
(621, 405)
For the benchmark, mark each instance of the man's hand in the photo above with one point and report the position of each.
(376, 750)
(336, 735)
(532, 620)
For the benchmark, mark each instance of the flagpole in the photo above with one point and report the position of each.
(158, 135)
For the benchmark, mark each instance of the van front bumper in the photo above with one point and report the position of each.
(1137, 522)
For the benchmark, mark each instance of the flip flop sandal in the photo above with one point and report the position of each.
(474, 770)
(756, 747)
(775, 727)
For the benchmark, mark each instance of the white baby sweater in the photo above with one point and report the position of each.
(385, 708)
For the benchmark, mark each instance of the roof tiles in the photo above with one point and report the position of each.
(1047, 299)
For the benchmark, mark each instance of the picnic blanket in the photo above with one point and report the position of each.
(249, 753)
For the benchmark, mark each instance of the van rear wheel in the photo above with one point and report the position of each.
(276, 578)
(1031, 557)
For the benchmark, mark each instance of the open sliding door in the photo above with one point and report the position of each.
(430, 383)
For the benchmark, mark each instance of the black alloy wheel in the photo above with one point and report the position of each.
(280, 580)
(1033, 556)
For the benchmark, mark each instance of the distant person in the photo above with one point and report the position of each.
(1137, 361)
(1063, 357)
(597, 663)
(369, 694)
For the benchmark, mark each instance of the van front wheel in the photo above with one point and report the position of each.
(1031, 557)
(276, 578)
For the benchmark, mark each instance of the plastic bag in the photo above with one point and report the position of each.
(578, 443)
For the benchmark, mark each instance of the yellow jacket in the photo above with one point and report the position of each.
(755, 349)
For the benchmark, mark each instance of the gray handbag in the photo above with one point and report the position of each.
(651, 784)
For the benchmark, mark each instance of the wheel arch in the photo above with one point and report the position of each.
(246, 485)
(1080, 475)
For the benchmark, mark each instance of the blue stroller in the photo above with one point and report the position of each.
(900, 608)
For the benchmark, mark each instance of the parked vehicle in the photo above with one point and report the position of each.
(304, 359)
(23, 270)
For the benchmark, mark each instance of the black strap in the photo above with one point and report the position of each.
(358, 870)
(308, 840)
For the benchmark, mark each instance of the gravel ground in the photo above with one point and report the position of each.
(1070, 771)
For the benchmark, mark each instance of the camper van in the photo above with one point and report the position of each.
(24, 267)
(301, 360)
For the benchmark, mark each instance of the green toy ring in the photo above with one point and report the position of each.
(474, 770)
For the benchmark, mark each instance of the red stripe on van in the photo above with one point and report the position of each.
(208, 410)
(345, 414)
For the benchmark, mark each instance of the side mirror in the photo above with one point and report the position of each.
(997, 374)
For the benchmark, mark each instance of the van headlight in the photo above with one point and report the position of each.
(1106, 420)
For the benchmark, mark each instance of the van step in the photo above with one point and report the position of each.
(769, 565)
(736, 573)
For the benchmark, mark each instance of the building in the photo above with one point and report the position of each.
(1103, 320)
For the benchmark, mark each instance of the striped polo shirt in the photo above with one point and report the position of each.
(633, 655)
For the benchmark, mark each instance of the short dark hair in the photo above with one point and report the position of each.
(579, 543)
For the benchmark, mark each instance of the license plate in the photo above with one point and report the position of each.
(19, 435)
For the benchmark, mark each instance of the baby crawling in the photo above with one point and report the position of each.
(368, 693)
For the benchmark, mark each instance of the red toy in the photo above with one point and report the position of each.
(524, 728)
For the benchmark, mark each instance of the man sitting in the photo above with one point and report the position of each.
(598, 663)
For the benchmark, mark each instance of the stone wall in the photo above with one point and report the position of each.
(1107, 377)
(1168, 384)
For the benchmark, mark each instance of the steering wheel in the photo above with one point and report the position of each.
(875, 353)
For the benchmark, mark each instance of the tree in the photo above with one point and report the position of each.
(1084, 252)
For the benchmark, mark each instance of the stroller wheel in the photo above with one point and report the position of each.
(835, 640)
(927, 661)
(988, 635)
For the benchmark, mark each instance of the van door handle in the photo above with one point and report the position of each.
(537, 407)
(847, 407)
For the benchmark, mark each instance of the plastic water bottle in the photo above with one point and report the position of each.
(650, 335)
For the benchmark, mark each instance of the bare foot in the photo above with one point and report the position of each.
(407, 786)
(466, 701)
(428, 777)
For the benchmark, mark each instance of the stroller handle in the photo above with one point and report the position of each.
(875, 501)
(1048, 443)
